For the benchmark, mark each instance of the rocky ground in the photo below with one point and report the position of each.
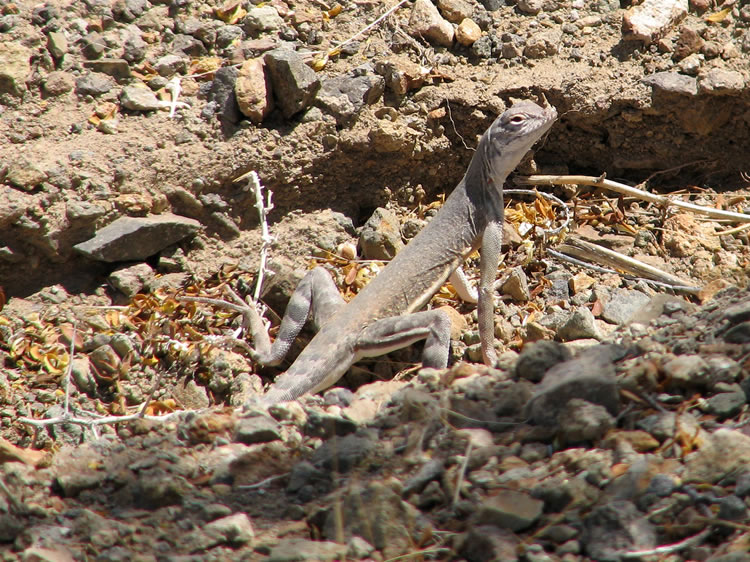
(615, 424)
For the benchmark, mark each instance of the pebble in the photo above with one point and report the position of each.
(583, 422)
(234, 529)
(119, 69)
(94, 84)
(622, 305)
(131, 279)
(25, 175)
(510, 509)
(138, 98)
(455, 11)
(169, 65)
(426, 21)
(253, 91)
(262, 19)
(381, 236)
(532, 7)
(516, 285)
(581, 324)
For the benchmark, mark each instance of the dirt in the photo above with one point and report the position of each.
(156, 483)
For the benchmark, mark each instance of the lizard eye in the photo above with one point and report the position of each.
(517, 119)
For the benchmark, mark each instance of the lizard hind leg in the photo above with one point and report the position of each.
(396, 332)
(316, 297)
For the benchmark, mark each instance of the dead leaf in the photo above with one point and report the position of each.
(719, 16)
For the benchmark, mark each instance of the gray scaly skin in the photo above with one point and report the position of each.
(383, 316)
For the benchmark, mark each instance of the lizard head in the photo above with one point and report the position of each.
(511, 136)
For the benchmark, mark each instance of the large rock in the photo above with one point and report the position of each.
(294, 83)
(132, 239)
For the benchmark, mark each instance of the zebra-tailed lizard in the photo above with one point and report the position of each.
(384, 315)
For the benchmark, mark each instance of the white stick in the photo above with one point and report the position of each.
(635, 192)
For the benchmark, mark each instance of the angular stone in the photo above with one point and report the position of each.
(235, 529)
(653, 19)
(57, 44)
(622, 306)
(256, 429)
(510, 509)
(530, 6)
(262, 19)
(169, 65)
(426, 21)
(343, 96)
(374, 512)
(590, 376)
(581, 422)
(94, 84)
(134, 239)
(487, 542)
(536, 358)
(294, 83)
(719, 81)
(579, 325)
(58, 83)
(253, 91)
(119, 69)
(614, 528)
(456, 11)
(724, 452)
(516, 286)
(301, 550)
(381, 236)
(129, 280)
(136, 98)
(15, 68)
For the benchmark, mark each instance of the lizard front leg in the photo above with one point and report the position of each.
(492, 239)
(315, 297)
(396, 332)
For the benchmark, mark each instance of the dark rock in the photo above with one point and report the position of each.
(726, 404)
(94, 84)
(327, 425)
(486, 543)
(221, 95)
(92, 45)
(256, 429)
(134, 48)
(129, 10)
(582, 422)
(157, 488)
(590, 376)
(732, 508)
(510, 509)
(134, 239)
(538, 357)
(614, 528)
(431, 470)
(294, 83)
(188, 45)
(374, 512)
(344, 453)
